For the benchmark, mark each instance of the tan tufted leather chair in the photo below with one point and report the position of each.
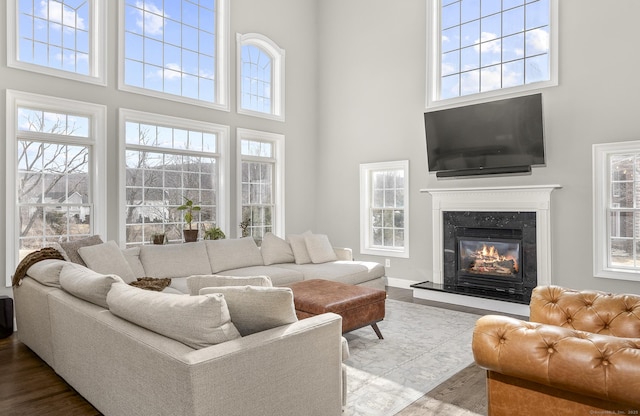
(578, 355)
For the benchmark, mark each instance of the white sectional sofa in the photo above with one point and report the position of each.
(124, 368)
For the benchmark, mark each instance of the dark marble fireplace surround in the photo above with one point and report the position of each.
(520, 225)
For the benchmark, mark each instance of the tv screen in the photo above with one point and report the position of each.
(501, 136)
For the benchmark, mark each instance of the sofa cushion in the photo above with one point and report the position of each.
(69, 249)
(299, 247)
(319, 248)
(275, 250)
(47, 272)
(197, 282)
(254, 309)
(229, 254)
(175, 260)
(197, 321)
(279, 276)
(132, 255)
(107, 258)
(350, 272)
(86, 284)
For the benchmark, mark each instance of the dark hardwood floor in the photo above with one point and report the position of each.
(28, 386)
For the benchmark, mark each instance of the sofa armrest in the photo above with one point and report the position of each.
(595, 365)
(294, 368)
(343, 253)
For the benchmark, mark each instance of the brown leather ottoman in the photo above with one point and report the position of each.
(359, 306)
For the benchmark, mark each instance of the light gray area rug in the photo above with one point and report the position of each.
(422, 347)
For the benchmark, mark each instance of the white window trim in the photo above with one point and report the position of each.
(277, 74)
(222, 62)
(433, 63)
(222, 132)
(97, 54)
(98, 116)
(278, 194)
(365, 204)
(601, 192)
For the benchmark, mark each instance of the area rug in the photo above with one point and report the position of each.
(422, 347)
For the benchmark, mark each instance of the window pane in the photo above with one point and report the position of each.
(175, 43)
(55, 34)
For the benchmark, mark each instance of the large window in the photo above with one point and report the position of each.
(260, 76)
(384, 208)
(176, 49)
(489, 47)
(616, 183)
(58, 37)
(56, 170)
(261, 173)
(166, 160)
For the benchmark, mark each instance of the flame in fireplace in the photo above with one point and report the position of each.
(488, 260)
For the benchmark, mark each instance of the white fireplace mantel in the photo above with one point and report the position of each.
(533, 198)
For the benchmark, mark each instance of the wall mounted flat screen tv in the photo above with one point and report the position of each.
(497, 137)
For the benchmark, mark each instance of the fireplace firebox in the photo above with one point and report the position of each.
(490, 254)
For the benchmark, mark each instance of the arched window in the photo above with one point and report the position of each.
(260, 76)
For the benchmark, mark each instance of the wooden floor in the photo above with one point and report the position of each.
(28, 386)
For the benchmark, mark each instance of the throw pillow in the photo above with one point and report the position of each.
(234, 253)
(132, 255)
(197, 282)
(86, 284)
(254, 309)
(107, 258)
(299, 247)
(197, 321)
(275, 250)
(70, 248)
(319, 248)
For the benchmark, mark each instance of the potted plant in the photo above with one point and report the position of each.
(158, 238)
(213, 233)
(189, 208)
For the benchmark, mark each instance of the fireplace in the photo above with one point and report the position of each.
(508, 214)
(490, 253)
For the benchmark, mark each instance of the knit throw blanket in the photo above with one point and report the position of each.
(31, 259)
(151, 283)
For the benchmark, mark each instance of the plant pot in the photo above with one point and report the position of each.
(190, 235)
(158, 238)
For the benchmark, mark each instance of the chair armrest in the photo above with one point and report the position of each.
(595, 365)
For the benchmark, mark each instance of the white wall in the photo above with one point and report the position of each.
(289, 23)
(371, 100)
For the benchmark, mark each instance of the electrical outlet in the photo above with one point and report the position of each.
(387, 263)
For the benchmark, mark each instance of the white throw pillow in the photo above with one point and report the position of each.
(107, 258)
(132, 255)
(299, 247)
(228, 254)
(197, 321)
(275, 250)
(175, 260)
(47, 272)
(86, 284)
(319, 248)
(254, 309)
(197, 282)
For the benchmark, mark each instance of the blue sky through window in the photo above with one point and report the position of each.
(170, 47)
(492, 44)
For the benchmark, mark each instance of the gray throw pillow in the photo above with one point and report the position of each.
(70, 248)
(254, 309)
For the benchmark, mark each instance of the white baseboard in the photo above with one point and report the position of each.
(473, 302)
(400, 283)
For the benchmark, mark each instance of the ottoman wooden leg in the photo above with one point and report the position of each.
(377, 330)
